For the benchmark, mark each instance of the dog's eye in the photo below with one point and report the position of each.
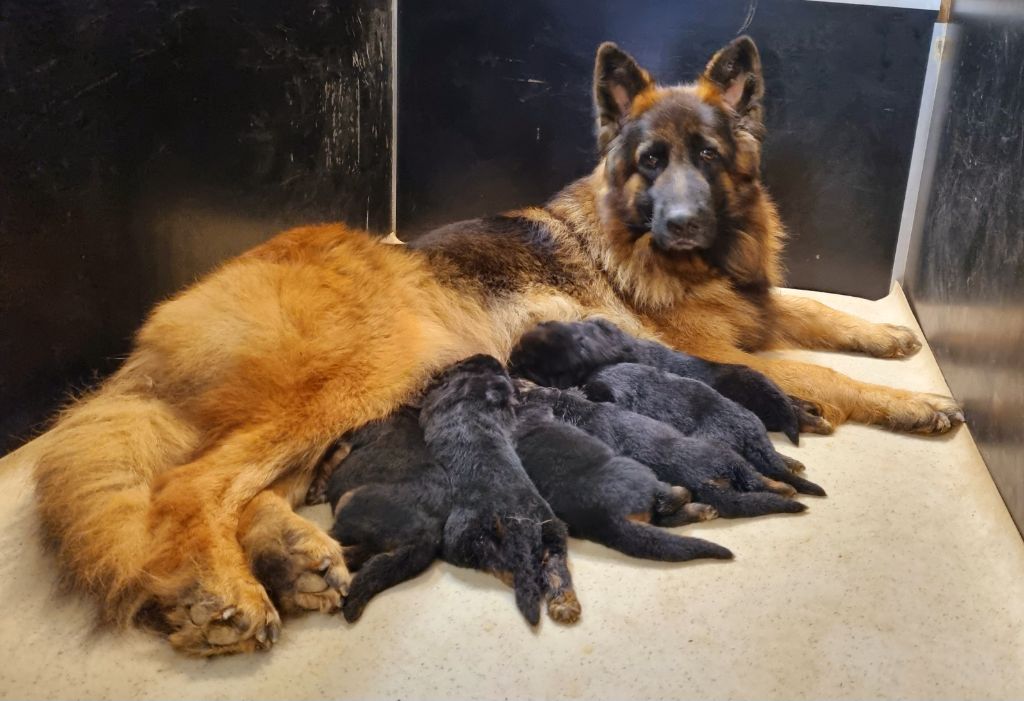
(650, 161)
(708, 154)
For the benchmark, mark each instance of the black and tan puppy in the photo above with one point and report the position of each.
(562, 355)
(608, 498)
(714, 473)
(390, 501)
(498, 523)
(695, 409)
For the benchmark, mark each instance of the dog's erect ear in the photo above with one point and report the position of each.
(734, 74)
(618, 79)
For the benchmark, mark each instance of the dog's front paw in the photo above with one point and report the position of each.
(894, 342)
(927, 414)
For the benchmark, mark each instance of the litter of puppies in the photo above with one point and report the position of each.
(598, 434)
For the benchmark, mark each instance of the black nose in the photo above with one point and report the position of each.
(686, 224)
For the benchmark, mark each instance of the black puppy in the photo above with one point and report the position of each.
(695, 409)
(498, 523)
(563, 355)
(608, 498)
(390, 501)
(712, 471)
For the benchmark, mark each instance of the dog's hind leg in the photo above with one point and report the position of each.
(733, 504)
(197, 573)
(563, 606)
(301, 567)
(674, 506)
(807, 323)
(388, 569)
(651, 543)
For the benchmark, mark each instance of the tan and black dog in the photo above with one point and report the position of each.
(158, 488)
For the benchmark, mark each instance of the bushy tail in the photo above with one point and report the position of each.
(93, 488)
(385, 570)
(652, 543)
(733, 504)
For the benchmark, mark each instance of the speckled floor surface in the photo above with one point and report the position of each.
(906, 582)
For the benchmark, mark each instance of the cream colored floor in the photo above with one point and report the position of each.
(906, 582)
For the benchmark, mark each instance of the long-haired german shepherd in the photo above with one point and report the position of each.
(157, 488)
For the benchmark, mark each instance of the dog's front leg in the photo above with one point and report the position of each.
(800, 322)
(839, 398)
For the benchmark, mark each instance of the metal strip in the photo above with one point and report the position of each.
(917, 156)
(903, 4)
(394, 116)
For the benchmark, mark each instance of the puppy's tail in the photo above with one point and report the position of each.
(733, 504)
(385, 570)
(651, 543)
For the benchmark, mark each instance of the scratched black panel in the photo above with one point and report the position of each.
(143, 142)
(494, 110)
(965, 274)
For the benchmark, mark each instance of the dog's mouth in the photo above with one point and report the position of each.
(676, 246)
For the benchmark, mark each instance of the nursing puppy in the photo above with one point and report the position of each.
(710, 470)
(390, 502)
(565, 354)
(498, 523)
(697, 410)
(608, 498)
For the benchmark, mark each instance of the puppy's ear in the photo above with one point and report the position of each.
(733, 75)
(499, 394)
(598, 391)
(618, 80)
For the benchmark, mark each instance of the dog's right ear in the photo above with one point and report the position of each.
(618, 80)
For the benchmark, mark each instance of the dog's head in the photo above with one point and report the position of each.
(559, 354)
(680, 161)
(479, 383)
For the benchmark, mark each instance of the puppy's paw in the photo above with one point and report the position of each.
(564, 607)
(758, 394)
(700, 512)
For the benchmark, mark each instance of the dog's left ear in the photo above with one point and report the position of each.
(618, 79)
(734, 76)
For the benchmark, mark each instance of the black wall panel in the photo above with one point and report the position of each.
(494, 110)
(965, 273)
(143, 142)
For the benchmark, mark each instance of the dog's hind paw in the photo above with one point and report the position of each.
(303, 568)
(564, 607)
(227, 619)
(810, 418)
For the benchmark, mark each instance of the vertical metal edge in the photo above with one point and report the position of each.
(918, 155)
(394, 116)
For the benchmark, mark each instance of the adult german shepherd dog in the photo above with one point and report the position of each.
(162, 487)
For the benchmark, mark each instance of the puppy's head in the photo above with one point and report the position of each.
(558, 354)
(680, 160)
(479, 383)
